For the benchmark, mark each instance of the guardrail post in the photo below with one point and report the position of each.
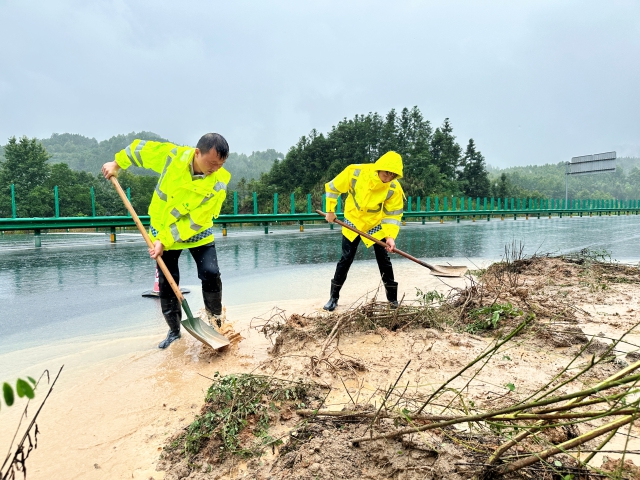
(436, 205)
(293, 203)
(308, 203)
(409, 204)
(255, 203)
(418, 204)
(129, 198)
(36, 238)
(235, 203)
(93, 202)
(499, 204)
(428, 205)
(275, 203)
(55, 201)
(339, 204)
(112, 235)
(445, 205)
(13, 201)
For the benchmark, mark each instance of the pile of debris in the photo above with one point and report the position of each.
(561, 427)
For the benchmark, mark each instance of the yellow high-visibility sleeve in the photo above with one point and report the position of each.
(392, 209)
(340, 184)
(146, 154)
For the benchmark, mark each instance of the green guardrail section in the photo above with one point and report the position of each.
(440, 208)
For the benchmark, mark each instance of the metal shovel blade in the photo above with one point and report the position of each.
(449, 270)
(205, 332)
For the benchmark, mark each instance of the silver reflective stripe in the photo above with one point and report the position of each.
(332, 195)
(206, 199)
(132, 159)
(194, 226)
(136, 152)
(353, 184)
(356, 172)
(174, 150)
(393, 185)
(176, 213)
(175, 233)
(391, 221)
(355, 202)
(332, 186)
(390, 193)
(220, 186)
(376, 210)
(161, 194)
(393, 212)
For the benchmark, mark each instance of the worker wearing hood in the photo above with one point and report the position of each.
(374, 205)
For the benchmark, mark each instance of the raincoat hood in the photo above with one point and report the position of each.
(391, 162)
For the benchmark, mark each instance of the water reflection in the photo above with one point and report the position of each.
(91, 287)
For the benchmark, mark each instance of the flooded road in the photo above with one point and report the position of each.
(77, 301)
(80, 285)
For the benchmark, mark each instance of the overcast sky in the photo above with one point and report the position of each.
(531, 81)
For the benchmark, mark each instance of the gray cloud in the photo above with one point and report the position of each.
(530, 81)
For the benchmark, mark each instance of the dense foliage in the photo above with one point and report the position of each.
(548, 181)
(434, 163)
(72, 163)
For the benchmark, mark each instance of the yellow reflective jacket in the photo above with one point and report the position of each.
(182, 208)
(372, 206)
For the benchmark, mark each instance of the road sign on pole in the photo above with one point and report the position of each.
(596, 163)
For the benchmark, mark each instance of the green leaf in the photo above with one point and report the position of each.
(8, 394)
(506, 357)
(511, 387)
(32, 380)
(23, 388)
(557, 463)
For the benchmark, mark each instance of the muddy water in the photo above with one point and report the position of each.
(77, 302)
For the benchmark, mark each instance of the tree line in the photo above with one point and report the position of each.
(548, 181)
(434, 162)
(72, 163)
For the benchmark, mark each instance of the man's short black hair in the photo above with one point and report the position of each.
(213, 140)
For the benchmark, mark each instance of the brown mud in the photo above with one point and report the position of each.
(113, 417)
(573, 310)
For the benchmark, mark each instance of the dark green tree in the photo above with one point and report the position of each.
(446, 155)
(502, 187)
(25, 166)
(473, 178)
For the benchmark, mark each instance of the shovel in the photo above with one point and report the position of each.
(437, 270)
(194, 325)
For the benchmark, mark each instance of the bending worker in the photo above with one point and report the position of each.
(189, 195)
(374, 205)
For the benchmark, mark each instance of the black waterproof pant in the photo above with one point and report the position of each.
(349, 250)
(206, 262)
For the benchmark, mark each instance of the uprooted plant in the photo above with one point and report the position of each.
(556, 428)
(238, 413)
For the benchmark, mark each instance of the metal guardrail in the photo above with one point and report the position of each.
(440, 208)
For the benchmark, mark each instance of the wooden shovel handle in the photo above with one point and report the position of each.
(145, 235)
(383, 244)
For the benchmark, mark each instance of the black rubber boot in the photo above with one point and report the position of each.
(333, 300)
(213, 305)
(172, 312)
(392, 294)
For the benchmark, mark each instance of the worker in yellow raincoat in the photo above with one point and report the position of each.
(374, 205)
(189, 195)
